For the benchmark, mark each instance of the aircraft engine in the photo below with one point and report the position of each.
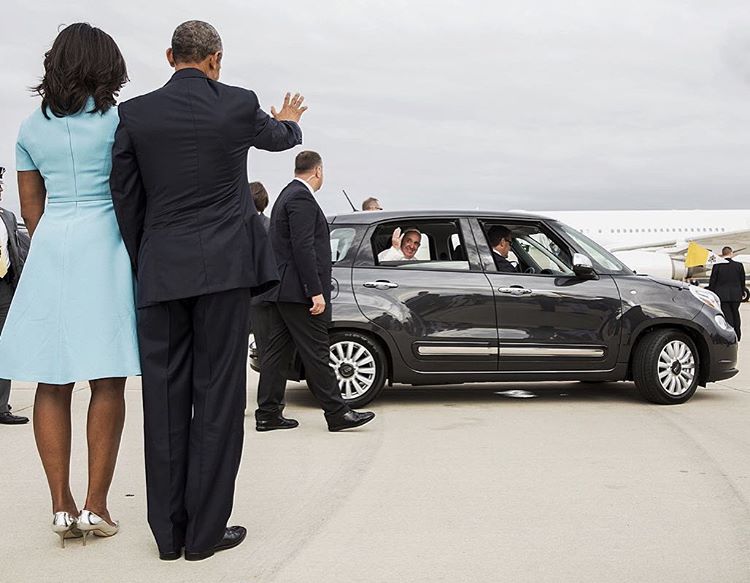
(652, 263)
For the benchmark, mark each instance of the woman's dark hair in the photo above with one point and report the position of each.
(83, 61)
(260, 196)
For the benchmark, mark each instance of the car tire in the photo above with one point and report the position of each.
(360, 365)
(745, 294)
(666, 367)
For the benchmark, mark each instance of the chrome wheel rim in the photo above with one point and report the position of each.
(676, 368)
(354, 366)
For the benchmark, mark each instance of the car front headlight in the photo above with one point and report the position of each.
(707, 297)
(722, 323)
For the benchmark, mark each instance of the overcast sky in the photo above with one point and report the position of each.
(439, 104)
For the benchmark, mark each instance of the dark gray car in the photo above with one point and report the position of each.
(572, 311)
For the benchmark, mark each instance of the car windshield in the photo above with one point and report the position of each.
(603, 260)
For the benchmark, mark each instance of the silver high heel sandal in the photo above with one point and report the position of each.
(65, 526)
(90, 522)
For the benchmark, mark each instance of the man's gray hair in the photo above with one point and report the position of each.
(193, 41)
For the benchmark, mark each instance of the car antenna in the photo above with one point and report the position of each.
(349, 200)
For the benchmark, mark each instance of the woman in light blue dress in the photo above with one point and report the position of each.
(73, 314)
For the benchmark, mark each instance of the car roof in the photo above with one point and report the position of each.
(369, 217)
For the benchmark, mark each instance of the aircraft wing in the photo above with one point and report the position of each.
(737, 240)
(650, 247)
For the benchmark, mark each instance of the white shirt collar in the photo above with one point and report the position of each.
(306, 184)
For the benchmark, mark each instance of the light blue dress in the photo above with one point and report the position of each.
(73, 315)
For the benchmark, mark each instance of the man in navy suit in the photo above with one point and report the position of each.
(297, 312)
(182, 199)
(728, 282)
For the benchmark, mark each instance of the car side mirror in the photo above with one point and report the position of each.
(582, 267)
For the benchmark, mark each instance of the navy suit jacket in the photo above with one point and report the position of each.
(180, 188)
(302, 246)
(728, 281)
(502, 264)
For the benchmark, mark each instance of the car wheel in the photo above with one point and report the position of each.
(665, 367)
(360, 367)
(745, 294)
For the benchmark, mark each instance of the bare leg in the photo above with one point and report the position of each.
(103, 430)
(52, 433)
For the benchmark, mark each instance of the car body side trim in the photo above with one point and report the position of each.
(536, 351)
(457, 350)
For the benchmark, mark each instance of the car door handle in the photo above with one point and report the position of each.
(515, 290)
(380, 284)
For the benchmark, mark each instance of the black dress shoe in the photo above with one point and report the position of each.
(170, 556)
(272, 423)
(233, 535)
(349, 420)
(10, 419)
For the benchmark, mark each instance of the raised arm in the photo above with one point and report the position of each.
(128, 193)
(281, 131)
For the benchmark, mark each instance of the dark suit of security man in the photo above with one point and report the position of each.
(297, 312)
(728, 282)
(182, 199)
(14, 246)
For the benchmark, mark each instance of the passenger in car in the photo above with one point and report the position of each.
(403, 247)
(500, 239)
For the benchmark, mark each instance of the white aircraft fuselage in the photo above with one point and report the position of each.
(654, 241)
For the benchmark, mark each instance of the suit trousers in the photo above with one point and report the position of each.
(6, 295)
(286, 325)
(193, 358)
(731, 311)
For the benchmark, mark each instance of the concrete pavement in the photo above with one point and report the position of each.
(507, 482)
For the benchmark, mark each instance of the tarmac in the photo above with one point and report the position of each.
(509, 482)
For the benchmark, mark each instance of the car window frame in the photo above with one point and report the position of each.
(486, 253)
(599, 268)
(356, 245)
(365, 256)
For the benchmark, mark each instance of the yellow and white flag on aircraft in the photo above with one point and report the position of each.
(696, 255)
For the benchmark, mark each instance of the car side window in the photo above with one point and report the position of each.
(409, 244)
(528, 248)
(345, 240)
(341, 242)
